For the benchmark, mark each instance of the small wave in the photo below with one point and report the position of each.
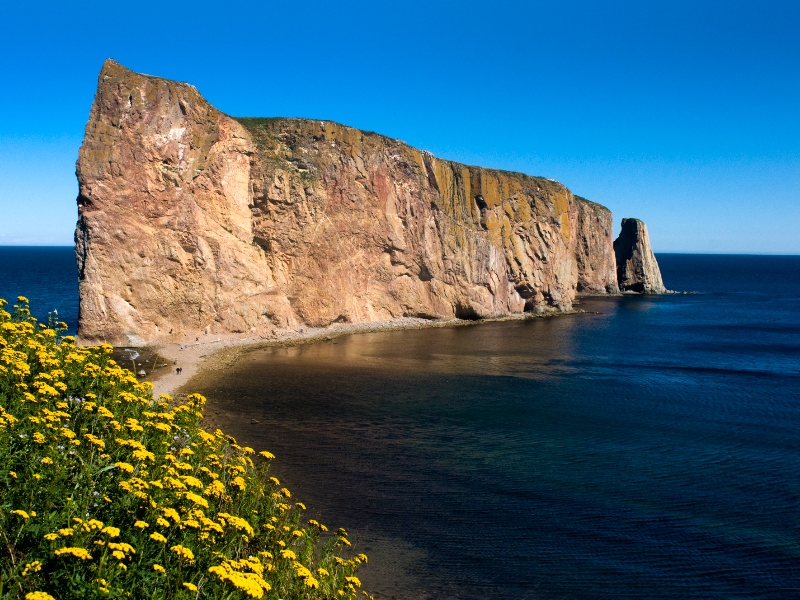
(688, 368)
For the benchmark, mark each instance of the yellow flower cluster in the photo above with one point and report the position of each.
(133, 493)
(38, 596)
(81, 553)
(245, 575)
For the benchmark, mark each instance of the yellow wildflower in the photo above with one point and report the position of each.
(190, 586)
(95, 441)
(199, 500)
(301, 570)
(192, 481)
(250, 583)
(215, 489)
(38, 596)
(158, 568)
(126, 548)
(237, 522)
(172, 514)
(32, 567)
(183, 553)
(81, 553)
(143, 455)
(111, 532)
(158, 538)
(141, 525)
(20, 513)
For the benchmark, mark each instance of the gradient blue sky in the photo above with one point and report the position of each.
(683, 114)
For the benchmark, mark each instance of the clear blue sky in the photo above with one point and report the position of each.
(683, 114)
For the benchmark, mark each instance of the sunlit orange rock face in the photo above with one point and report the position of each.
(191, 220)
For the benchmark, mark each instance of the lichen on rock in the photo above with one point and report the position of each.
(191, 220)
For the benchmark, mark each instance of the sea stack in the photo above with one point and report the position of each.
(637, 269)
(192, 221)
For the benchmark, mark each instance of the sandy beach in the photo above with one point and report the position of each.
(216, 352)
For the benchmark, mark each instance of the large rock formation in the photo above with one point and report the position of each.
(192, 220)
(637, 269)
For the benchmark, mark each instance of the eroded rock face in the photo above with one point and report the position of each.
(192, 220)
(597, 267)
(637, 269)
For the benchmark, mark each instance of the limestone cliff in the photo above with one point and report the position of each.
(192, 220)
(637, 269)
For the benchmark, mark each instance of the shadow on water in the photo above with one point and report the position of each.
(648, 451)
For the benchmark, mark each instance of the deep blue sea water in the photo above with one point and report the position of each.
(648, 451)
(46, 275)
(649, 448)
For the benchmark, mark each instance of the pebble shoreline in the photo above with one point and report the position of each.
(218, 351)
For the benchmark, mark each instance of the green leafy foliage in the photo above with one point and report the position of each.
(106, 492)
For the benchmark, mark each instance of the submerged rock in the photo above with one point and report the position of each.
(191, 220)
(637, 269)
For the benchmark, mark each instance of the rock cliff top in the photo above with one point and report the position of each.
(191, 220)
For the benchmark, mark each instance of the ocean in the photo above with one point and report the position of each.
(647, 448)
(46, 275)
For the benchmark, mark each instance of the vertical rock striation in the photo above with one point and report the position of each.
(597, 267)
(637, 269)
(192, 220)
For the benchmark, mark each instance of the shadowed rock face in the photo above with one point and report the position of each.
(637, 269)
(192, 220)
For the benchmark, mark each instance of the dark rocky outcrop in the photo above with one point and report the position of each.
(191, 220)
(637, 269)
